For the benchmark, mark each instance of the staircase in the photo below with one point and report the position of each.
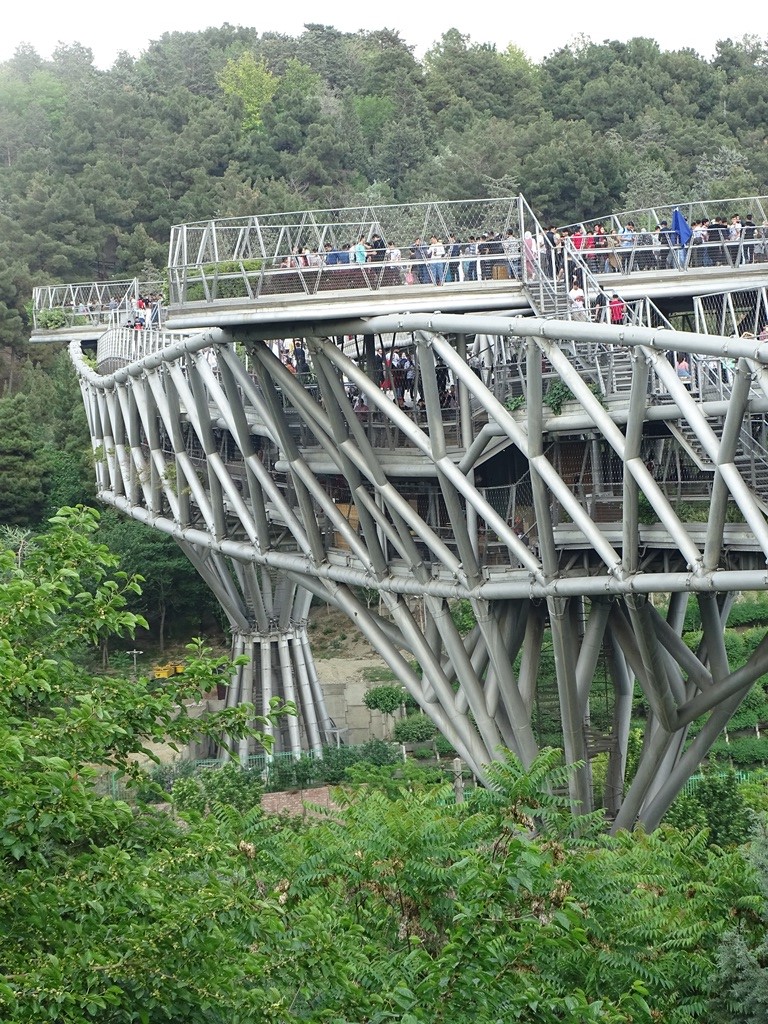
(686, 437)
(611, 367)
(751, 459)
(548, 298)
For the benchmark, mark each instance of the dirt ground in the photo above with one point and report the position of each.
(333, 636)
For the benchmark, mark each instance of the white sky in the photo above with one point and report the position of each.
(541, 28)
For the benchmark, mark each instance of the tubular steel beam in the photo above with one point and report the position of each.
(306, 502)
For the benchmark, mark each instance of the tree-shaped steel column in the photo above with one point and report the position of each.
(219, 444)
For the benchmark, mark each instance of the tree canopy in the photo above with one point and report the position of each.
(98, 164)
(398, 903)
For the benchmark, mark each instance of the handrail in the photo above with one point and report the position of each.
(93, 303)
(238, 256)
(120, 346)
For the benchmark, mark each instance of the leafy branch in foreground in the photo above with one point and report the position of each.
(60, 727)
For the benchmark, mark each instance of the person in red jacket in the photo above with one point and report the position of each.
(618, 309)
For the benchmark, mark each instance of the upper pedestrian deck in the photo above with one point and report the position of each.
(288, 272)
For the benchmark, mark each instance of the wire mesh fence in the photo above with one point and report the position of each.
(276, 772)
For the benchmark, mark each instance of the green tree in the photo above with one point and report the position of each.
(716, 803)
(648, 184)
(22, 464)
(741, 983)
(724, 174)
(251, 83)
(101, 913)
(170, 587)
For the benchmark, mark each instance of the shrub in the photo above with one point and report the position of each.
(463, 616)
(158, 785)
(386, 699)
(305, 771)
(50, 319)
(686, 812)
(394, 779)
(444, 746)
(422, 753)
(755, 792)
(188, 796)
(414, 729)
(750, 610)
(718, 796)
(557, 394)
(646, 513)
(281, 775)
(232, 784)
(744, 751)
(336, 760)
(378, 752)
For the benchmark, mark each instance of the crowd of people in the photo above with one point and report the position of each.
(146, 312)
(395, 373)
(438, 260)
(435, 261)
(143, 311)
(704, 243)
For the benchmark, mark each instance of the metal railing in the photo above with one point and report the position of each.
(119, 346)
(312, 251)
(740, 312)
(727, 233)
(450, 243)
(96, 303)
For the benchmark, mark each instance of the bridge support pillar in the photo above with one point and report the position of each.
(268, 619)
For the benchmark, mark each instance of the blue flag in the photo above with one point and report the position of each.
(681, 228)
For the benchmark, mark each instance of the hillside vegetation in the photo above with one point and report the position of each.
(95, 166)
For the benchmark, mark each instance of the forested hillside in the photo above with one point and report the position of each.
(95, 166)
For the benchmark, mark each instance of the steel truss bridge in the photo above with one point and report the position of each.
(579, 492)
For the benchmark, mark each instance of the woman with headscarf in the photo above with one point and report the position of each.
(531, 251)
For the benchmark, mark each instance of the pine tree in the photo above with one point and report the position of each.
(22, 465)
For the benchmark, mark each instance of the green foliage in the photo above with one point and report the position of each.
(755, 792)
(298, 773)
(674, 897)
(556, 395)
(378, 674)
(687, 812)
(513, 404)
(646, 513)
(22, 464)
(535, 798)
(100, 911)
(386, 699)
(392, 779)
(414, 729)
(188, 796)
(226, 280)
(463, 616)
(444, 746)
(740, 987)
(50, 319)
(252, 83)
(747, 610)
(753, 710)
(745, 751)
(405, 904)
(226, 785)
(717, 804)
(170, 586)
